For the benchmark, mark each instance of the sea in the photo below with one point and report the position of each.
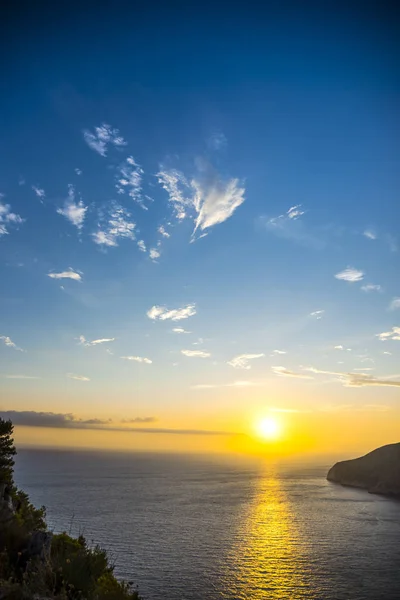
(221, 528)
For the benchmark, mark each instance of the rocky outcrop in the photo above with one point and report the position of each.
(378, 471)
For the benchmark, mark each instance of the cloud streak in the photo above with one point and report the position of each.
(102, 138)
(139, 359)
(69, 421)
(77, 377)
(283, 372)
(195, 353)
(243, 360)
(161, 313)
(70, 274)
(8, 342)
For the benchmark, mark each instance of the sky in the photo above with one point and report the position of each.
(199, 227)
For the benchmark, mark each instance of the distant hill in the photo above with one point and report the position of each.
(378, 471)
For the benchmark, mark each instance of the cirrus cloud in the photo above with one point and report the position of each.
(243, 360)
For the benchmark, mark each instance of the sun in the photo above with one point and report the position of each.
(269, 428)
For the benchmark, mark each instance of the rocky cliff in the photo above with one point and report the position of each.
(378, 471)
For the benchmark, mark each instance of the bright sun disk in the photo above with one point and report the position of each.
(269, 428)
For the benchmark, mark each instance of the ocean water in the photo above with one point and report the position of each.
(195, 528)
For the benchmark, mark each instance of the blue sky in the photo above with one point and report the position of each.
(236, 178)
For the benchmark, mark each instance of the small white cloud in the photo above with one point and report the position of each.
(78, 171)
(340, 347)
(395, 304)
(78, 377)
(141, 246)
(75, 212)
(243, 360)
(129, 179)
(370, 234)
(178, 190)
(117, 226)
(388, 353)
(295, 212)
(215, 201)
(70, 274)
(139, 359)
(8, 342)
(84, 342)
(180, 330)
(279, 352)
(350, 274)
(40, 193)
(7, 218)
(370, 287)
(164, 233)
(283, 372)
(102, 341)
(154, 253)
(161, 313)
(317, 314)
(102, 137)
(195, 353)
(217, 141)
(390, 335)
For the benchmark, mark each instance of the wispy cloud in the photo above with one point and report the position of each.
(102, 137)
(142, 246)
(317, 314)
(84, 342)
(20, 377)
(178, 189)
(350, 274)
(161, 313)
(117, 226)
(8, 342)
(390, 335)
(69, 421)
(74, 211)
(207, 197)
(139, 359)
(279, 352)
(282, 371)
(40, 193)
(195, 353)
(209, 386)
(163, 232)
(129, 179)
(77, 377)
(339, 347)
(358, 379)
(180, 330)
(395, 304)
(70, 274)
(243, 360)
(140, 420)
(217, 141)
(215, 200)
(154, 254)
(371, 287)
(7, 218)
(78, 171)
(371, 235)
(290, 226)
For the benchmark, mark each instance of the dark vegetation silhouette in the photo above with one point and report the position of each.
(36, 564)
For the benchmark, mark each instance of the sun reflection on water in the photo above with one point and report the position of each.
(267, 561)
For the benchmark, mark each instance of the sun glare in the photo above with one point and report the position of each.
(269, 428)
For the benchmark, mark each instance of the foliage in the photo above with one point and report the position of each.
(69, 569)
(7, 451)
